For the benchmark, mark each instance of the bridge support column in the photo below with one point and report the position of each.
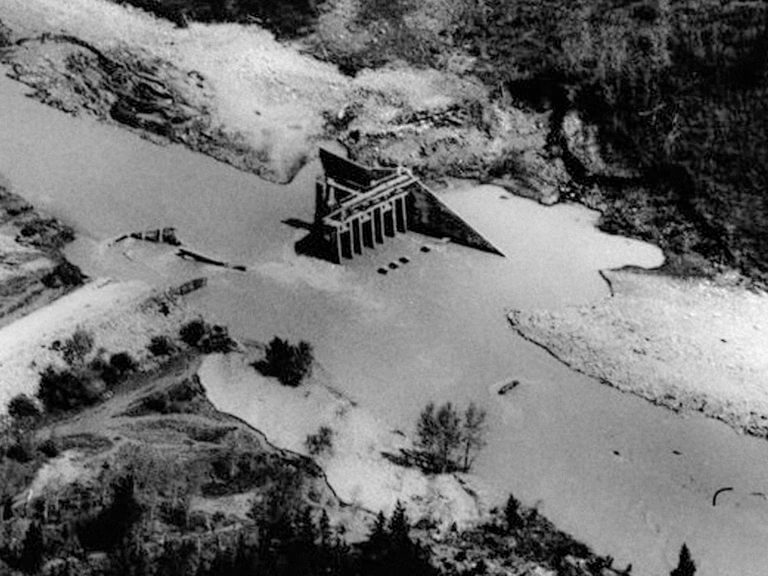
(357, 241)
(400, 216)
(378, 225)
(367, 226)
(336, 249)
(345, 239)
(389, 220)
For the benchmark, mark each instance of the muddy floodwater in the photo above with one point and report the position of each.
(630, 479)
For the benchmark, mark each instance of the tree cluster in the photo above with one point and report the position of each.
(449, 440)
(289, 363)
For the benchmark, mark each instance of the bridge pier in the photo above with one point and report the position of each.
(367, 226)
(378, 225)
(389, 220)
(357, 240)
(400, 216)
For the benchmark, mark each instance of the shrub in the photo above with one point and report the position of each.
(289, 363)
(22, 450)
(63, 390)
(64, 275)
(161, 346)
(192, 332)
(22, 408)
(216, 339)
(77, 347)
(49, 448)
(123, 363)
(320, 442)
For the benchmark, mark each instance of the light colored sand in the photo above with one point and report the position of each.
(688, 345)
(118, 314)
(268, 92)
(355, 468)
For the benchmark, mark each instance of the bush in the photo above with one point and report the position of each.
(206, 338)
(21, 451)
(192, 332)
(289, 363)
(123, 363)
(49, 448)
(77, 347)
(116, 369)
(321, 442)
(22, 408)
(64, 390)
(161, 346)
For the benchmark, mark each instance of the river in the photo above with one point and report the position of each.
(630, 479)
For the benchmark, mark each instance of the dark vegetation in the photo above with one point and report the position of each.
(685, 564)
(285, 18)
(289, 363)
(447, 440)
(320, 442)
(206, 338)
(678, 89)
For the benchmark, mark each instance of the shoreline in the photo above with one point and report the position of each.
(608, 343)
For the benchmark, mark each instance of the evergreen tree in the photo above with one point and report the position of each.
(399, 526)
(378, 533)
(512, 512)
(685, 564)
(31, 558)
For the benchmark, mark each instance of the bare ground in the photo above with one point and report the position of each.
(688, 345)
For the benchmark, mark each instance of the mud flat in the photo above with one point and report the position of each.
(688, 345)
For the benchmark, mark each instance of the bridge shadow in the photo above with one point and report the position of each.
(297, 223)
(312, 244)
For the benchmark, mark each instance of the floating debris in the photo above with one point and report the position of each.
(508, 387)
(165, 235)
(189, 255)
(718, 492)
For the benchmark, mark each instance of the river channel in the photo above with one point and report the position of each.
(632, 480)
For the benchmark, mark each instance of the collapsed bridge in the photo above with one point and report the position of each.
(357, 207)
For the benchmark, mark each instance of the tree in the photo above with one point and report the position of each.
(448, 441)
(62, 390)
(289, 363)
(31, 558)
(685, 564)
(472, 434)
(439, 435)
(378, 533)
(512, 512)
